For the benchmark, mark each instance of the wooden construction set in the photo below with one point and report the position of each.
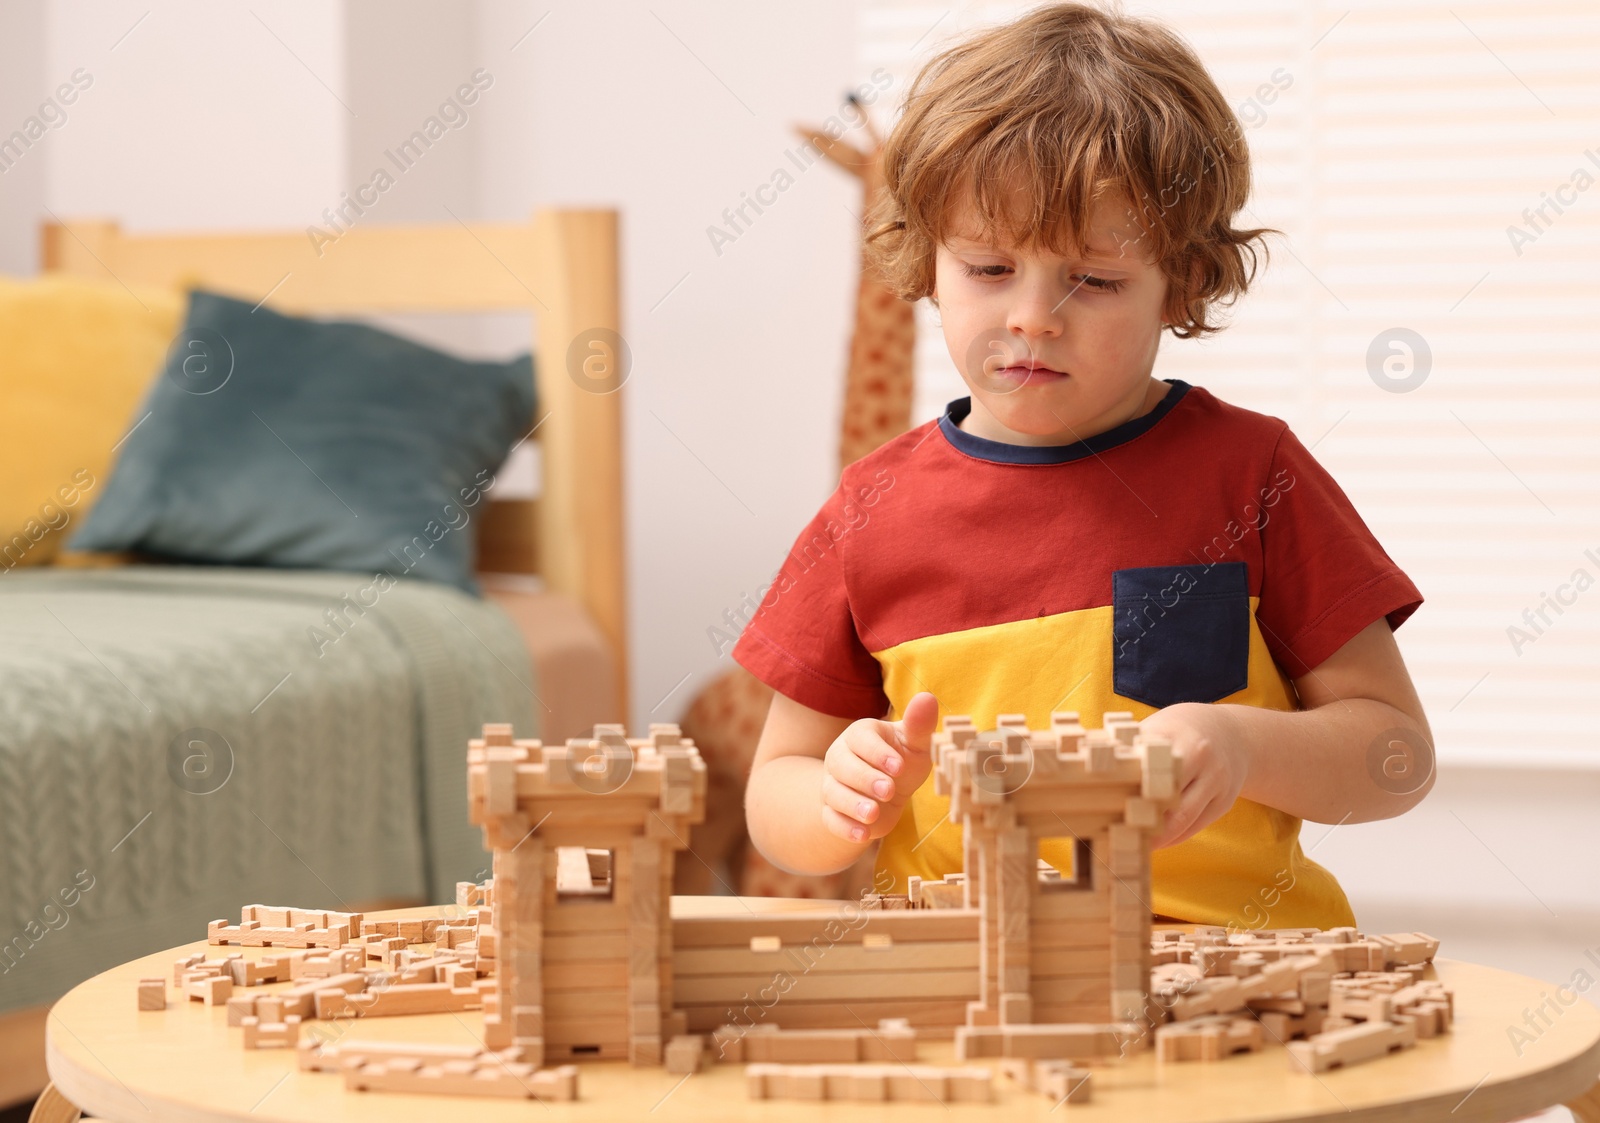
(573, 953)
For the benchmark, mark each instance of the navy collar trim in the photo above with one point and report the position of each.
(1000, 452)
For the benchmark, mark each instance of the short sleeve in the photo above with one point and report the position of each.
(802, 641)
(1324, 575)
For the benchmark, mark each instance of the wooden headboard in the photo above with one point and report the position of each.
(561, 267)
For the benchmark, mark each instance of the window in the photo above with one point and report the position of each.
(1050, 878)
(583, 874)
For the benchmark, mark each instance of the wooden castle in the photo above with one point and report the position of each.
(595, 960)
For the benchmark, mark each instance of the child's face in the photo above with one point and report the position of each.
(1092, 322)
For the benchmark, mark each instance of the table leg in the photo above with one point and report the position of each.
(1586, 1108)
(53, 1107)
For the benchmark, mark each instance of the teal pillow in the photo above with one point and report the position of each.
(280, 441)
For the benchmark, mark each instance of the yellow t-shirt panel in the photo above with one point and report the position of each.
(1246, 869)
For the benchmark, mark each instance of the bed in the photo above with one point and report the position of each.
(301, 774)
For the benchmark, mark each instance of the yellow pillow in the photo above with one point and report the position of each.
(76, 357)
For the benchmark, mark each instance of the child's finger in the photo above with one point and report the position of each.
(850, 804)
(842, 825)
(857, 774)
(1180, 818)
(877, 747)
(914, 730)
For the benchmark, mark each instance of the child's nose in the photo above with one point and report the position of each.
(1039, 314)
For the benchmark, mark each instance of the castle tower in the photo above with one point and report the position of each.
(583, 837)
(1054, 949)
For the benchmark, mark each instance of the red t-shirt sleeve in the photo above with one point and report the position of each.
(1324, 575)
(802, 641)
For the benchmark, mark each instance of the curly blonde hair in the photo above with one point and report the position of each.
(1070, 103)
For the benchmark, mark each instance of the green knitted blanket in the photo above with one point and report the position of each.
(176, 742)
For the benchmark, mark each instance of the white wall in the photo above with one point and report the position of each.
(669, 112)
(200, 115)
(23, 87)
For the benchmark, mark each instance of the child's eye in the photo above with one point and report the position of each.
(1103, 284)
(1099, 284)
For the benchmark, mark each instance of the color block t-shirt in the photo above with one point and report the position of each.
(1195, 554)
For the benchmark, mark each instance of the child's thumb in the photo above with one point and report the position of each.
(916, 727)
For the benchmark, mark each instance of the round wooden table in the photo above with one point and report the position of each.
(185, 1064)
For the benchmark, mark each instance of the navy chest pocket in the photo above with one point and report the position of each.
(1180, 633)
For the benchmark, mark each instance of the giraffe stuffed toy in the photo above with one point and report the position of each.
(726, 718)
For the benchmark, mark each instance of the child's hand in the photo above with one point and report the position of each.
(872, 768)
(1214, 767)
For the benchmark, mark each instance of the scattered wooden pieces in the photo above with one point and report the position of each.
(384, 1001)
(1210, 1038)
(275, 926)
(1351, 1045)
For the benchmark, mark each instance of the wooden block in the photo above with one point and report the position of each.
(1100, 753)
(807, 1046)
(685, 1054)
(815, 1082)
(213, 990)
(755, 1082)
(1407, 947)
(677, 782)
(895, 1040)
(152, 994)
(1074, 1041)
(259, 1034)
(241, 1006)
(645, 1049)
(256, 972)
(1349, 1045)
(487, 1074)
(968, 1085)
(1060, 1081)
(1211, 1038)
(868, 1085)
(856, 988)
(1016, 1007)
(1359, 1004)
(301, 999)
(254, 934)
(831, 925)
(400, 998)
(181, 967)
(1141, 813)
(727, 1043)
(1158, 780)
(500, 781)
(804, 1082)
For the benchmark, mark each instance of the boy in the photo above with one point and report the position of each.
(1077, 534)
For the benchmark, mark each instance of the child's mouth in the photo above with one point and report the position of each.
(1030, 375)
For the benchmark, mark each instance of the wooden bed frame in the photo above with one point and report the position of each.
(561, 267)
